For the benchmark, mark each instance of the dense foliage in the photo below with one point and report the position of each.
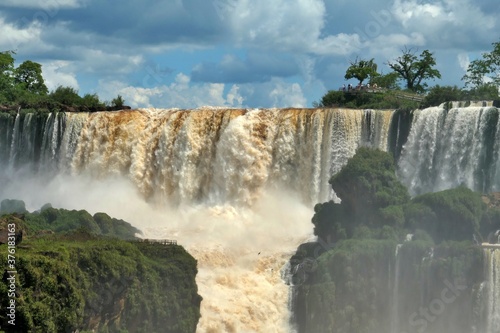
(62, 220)
(24, 87)
(349, 281)
(414, 70)
(77, 279)
(488, 67)
(441, 94)
(361, 70)
(385, 99)
(370, 195)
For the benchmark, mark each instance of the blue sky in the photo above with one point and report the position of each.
(236, 53)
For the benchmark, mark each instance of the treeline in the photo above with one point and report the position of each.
(23, 87)
(375, 204)
(391, 98)
(410, 70)
(81, 273)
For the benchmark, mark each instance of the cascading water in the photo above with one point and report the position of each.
(493, 297)
(395, 293)
(234, 186)
(448, 148)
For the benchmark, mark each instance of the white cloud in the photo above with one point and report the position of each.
(287, 95)
(12, 37)
(57, 73)
(234, 97)
(287, 25)
(389, 46)
(182, 93)
(463, 61)
(46, 5)
(445, 22)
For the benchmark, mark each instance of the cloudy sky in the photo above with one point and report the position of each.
(250, 53)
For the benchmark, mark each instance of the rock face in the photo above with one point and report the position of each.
(9, 206)
(379, 286)
(492, 200)
(6, 228)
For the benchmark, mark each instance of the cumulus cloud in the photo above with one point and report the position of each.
(183, 93)
(287, 25)
(446, 22)
(12, 36)
(57, 73)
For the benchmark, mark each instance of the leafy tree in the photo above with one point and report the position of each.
(361, 70)
(415, 69)
(440, 94)
(488, 66)
(6, 74)
(118, 102)
(388, 81)
(481, 92)
(92, 102)
(66, 96)
(29, 75)
(332, 98)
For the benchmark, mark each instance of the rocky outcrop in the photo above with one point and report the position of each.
(77, 281)
(10, 226)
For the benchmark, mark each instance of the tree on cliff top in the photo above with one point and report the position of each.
(415, 69)
(487, 67)
(361, 70)
(6, 74)
(29, 75)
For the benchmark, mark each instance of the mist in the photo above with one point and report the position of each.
(240, 250)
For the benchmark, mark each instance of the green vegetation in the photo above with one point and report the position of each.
(361, 70)
(487, 67)
(365, 100)
(373, 198)
(9, 206)
(74, 273)
(413, 70)
(62, 220)
(346, 281)
(24, 87)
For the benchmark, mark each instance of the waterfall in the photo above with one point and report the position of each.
(14, 142)
(448, 148)
(287, 277)
(493, 297)
(395, 293)
(208, 155)
(234, 186)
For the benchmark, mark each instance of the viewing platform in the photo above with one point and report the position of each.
(372, 90)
